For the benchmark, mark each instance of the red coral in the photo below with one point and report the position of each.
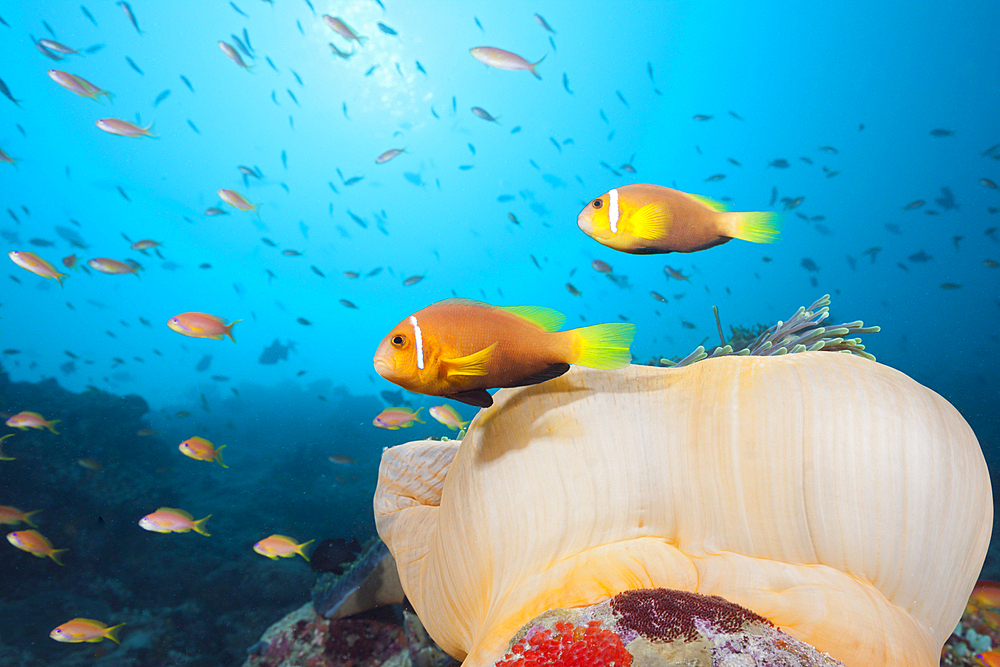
(660, 614)
(570, 646)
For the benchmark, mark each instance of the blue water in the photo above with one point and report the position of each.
(779, 81)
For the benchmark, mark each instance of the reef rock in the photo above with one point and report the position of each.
(659, 628)
(816, 489)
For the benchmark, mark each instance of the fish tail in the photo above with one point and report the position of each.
(50, 424)
(603, 346)
(536, 64)
(146, 131)
(302, 549)
(758, 227)
(27, 517)
(416, 418)
(218, 456)
(60, 277)
(199, 526)
(56, 557)
(229, 331)
(112, 633)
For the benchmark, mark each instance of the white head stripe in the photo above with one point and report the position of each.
(613, 211)
(420, 342)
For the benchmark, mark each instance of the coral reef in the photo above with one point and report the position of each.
(810, 488)
(303, 638)
(658, 628)
(978, 632)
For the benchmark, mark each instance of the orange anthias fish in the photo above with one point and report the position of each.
(448, 416)
(280, 546)
(397, 418)
(342, 29)
(171, 520)
(123, 128)
(201, 449)
(234, 198)
(459, 348)
(25, 420)
(989, 659)
(233, 55)
(113, 266)
(78, 85)
(645, 219)
(35, 264)
(11, 516)
(494, 57)
(986, 593)
(202, 325)
(35, 544)
(85, 630)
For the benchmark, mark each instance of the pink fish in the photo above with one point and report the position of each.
(397, 418)
(78, 85)
(388, 155)
(53, 45)
(342, 29)
(202, 325)
(35, 264)
(144, 244)
(123, 128)
(113, 266)
(170, 520)
(8, 159)
(25, 420)
(233, 55)
(35, 544)
(234, 198)
(494, 57)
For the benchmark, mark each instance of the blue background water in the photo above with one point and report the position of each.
(870, 80)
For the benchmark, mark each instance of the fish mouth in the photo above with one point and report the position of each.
(384, 365)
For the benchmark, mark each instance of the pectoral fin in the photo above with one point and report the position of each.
(650, 222)
(473, 364)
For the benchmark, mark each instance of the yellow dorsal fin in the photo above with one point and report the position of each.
(547, 318)
(650, 222)
(718, 207)
(473, 364)
(174, 510)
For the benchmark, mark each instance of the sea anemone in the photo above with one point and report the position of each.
(833, 496)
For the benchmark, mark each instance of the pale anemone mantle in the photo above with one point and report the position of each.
(819, 490)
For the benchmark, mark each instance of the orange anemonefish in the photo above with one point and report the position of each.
(645, 219)
(459, 348)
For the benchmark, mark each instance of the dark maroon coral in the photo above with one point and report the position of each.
(661, 614)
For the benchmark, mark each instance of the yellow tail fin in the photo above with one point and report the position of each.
(218, 456)
(112, 633)
(51, 423)
(56, 557)
(758, 227)
(302, 549)
(229, 329)
(199, 526)
(604, 346)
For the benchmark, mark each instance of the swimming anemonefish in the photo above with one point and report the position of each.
(645, 219)
(459, 348)
(85, 630)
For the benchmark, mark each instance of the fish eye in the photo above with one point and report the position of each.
(398, 341)
(598, 203)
